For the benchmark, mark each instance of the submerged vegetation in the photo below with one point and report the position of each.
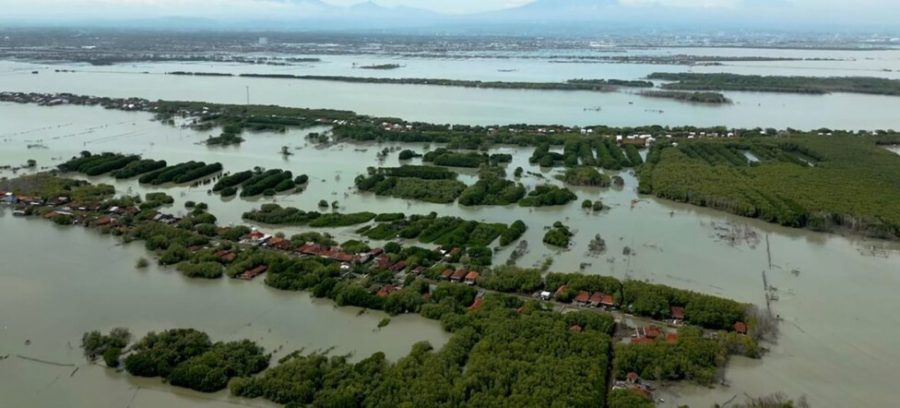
(822, 183)
(791, 84)
(443, 231)
(570, 85)
(558, 235)
(430, 184)
(188, 358)
(548, 195)
(504, 356)
(506, 348)
(585, 176)
(693, 97)
(150, 171)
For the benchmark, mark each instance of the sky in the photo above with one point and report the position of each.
(860, 11)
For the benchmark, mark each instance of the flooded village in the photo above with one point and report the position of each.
(281, 233)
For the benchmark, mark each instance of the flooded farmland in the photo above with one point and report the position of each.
(819, 279)
(836, 295)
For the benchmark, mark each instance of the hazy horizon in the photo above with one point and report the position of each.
(788, 14)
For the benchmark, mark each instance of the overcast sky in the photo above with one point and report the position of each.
(822, 10)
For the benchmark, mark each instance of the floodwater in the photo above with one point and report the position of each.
(56, 283)
(496, 106)
(837, 295)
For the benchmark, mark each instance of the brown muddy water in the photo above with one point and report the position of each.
(837, 295)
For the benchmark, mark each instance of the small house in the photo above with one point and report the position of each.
(596, 298)
(607, 301)
(253, 272)
(559, 291)
(677, 313)
(447, 273)
(651, 332)
(472, 278)
(740, 327)
(632, 377)
(459, 275)
(583, 298)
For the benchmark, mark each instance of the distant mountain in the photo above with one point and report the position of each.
(568, 14)
(374, 10)
(539, 17)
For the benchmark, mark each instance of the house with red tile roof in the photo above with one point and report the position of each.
(253, 272)
(641, 341)
(596, 298)
(310, 249)
(607, 301)
(459, 275)
(447, 273)
(632, 377)
(383, 262)
(651, 332)
(386, 291)
(280, 243)
(582, 298)
(226, 255)
(472, 277)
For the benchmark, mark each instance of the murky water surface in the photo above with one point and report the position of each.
(837, 295)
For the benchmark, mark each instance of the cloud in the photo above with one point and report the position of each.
(683, 3)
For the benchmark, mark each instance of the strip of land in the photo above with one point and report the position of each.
(786, 84)
(825, 180)
(570, 85)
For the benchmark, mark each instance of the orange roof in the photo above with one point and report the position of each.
(575, 328)
(583, 297)
(740, 327)
(561, 289)
(607, 300)
(671, 338)
(385, 291)
(459, 275)
(476, 304)
(652, 332)
(678, 312)
(472, 276)
(446, 273)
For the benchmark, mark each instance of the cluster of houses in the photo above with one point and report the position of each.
(584, 298)
(650, 333)
(635, 384)
(54, 99)
(461, 275)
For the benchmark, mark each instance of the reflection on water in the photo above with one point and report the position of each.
(837, 295)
